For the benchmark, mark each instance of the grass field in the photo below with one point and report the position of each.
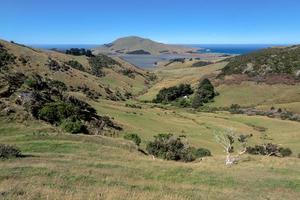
(64, 166)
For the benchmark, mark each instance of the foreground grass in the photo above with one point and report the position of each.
(64, 166)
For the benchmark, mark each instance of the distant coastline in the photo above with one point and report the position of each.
(204, 48)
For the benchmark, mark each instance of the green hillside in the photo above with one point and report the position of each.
(279, 60)
(67, 117)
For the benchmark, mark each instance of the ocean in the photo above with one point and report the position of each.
(231, 48)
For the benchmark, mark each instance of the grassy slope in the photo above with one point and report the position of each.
(62, 166)
(113, 79)
(246, 94)
(173, 75)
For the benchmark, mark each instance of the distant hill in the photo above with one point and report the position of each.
(137, 44)
(96, 77)
(267, 62)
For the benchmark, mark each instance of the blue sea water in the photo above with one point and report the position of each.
(231, 48)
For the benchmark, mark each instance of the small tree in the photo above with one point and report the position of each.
(203, 94)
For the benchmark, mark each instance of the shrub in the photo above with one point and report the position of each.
(183, 103)
(269, 149)
(5, 57)
(201, 63)
(72, 125)
(285, 152)
(133, 137)
(55, 112)
(128, 72)
(75, 64)
(173, 93)
(202, 152)
(100, 61)
(169, 147)
(8, 151)
(36, 82)
(203, 93)
(235, 109)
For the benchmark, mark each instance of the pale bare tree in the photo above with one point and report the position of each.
(226, 138)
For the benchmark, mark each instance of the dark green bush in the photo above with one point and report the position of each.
(202, 152)
(79, 52)
(8, 151)
(172, 93)
(5, 57)
(270, 150)
(201, 63)
(203, 94)
(133, 137)
(72, 125)
(99, 62)
(75, 64)
(285, 152)
(36, 82)
(170, 147)
(55, 112)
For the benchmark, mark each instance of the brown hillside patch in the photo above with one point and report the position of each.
(270, 79)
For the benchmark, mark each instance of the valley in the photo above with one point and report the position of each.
(57, 164)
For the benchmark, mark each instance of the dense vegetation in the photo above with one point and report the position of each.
(100, 61)
(79, 52)
(75, 64)
(270, 150)
(204, 93)
(139, 52)
(170, 147)
(201, 63)
(267, 61)
(181, 60)
(47, 100)
(8, 151)
(5, 57)
(133, 137)
(166, 95)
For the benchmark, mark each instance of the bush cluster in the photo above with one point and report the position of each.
(166, 95)
(5, 57)
(8, 151)
(128, 72)
(99, 62)
(79, 52)
(204, 93)
(133, 137)
(201, 63)
(75, 64)
(72, 125)
(270, 150)
(170, 147)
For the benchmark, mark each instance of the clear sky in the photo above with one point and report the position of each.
(170, 21)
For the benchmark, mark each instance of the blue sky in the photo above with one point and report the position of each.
(170, 21)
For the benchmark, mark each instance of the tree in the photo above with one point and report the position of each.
(227, 139)
(173, 93)
(203, 93)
